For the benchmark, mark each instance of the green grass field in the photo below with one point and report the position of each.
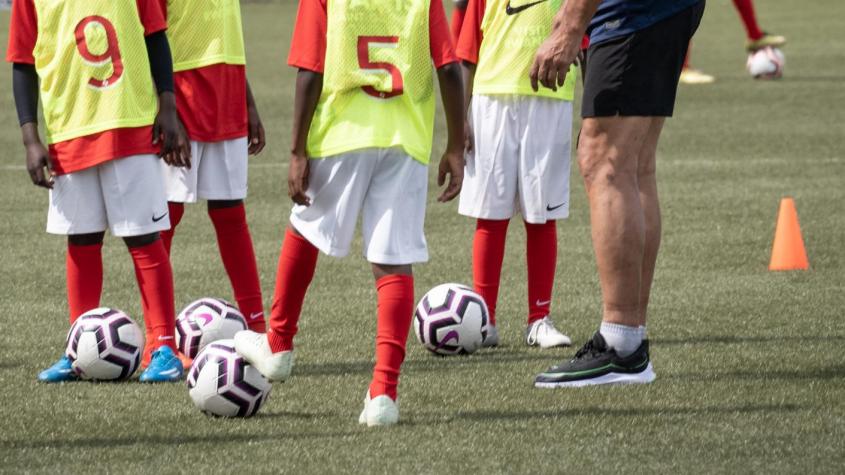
(750, 370)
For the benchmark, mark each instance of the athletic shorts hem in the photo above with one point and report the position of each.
(315, 239)
(487, 214)
(117, 231)
(416, 257)
(216, 195)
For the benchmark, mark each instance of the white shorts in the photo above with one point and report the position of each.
(218, 172)
(386, 187)
(520, 160)
(125, 196)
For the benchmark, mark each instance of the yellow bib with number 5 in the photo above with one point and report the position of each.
(92, 61)
(378, 86)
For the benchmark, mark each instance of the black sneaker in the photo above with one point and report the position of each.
(595, 363)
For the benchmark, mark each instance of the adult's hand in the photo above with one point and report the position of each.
(553, 59)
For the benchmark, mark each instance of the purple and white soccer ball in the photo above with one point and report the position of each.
(204, 321)
(766, 63)
(223, 384)
(451, 319)
(104, 345)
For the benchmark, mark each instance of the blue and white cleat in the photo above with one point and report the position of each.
(60, 372)
(165, 367)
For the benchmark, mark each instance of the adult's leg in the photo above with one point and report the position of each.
(647, 181)
(608, 155)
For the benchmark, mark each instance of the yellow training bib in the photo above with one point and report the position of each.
(205, 32)
(92, 61)
(378, 87)
(513, 30)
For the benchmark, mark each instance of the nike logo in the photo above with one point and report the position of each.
(205, 317)
(155, 220)
(514, 10)
(543, 303)
(253, 316)
(171, 371)
(552, 208)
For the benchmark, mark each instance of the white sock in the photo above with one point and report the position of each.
(622, 338)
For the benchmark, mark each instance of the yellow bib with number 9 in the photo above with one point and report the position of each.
(92, 61)
(378, 86)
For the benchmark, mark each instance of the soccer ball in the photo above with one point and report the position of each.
(204, 321)
(222, 383)
(451, 319)
(766, 63)
(105, 345)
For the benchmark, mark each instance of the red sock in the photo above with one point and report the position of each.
(457, 22)
(175, 210)
(395, 310)
(84, 278)
(749, 19)
(155, 280)
(488, 251)
(238, 255)
(297, 262)
(541, 252)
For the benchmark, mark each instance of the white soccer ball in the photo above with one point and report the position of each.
(204, 321)
(451, 319)
(222, 383)
(766, 63)
(104, 345)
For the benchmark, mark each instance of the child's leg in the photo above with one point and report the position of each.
(395, 287)
(175, 211)
(297, 262)
(155, 281)
(488, 252)
(84, 264)
(749, 18)
(236, 250)
(541, 257)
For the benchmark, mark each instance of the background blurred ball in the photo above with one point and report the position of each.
(766, 63)
(105, 345)
(204, 321)
(222, 383)
(451, 319)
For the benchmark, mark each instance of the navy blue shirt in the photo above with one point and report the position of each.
(615, 18)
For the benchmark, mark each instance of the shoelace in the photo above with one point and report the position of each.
(535, 329)
(589, 348)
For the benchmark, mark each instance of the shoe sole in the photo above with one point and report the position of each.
(643, 377)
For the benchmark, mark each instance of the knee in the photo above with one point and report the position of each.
(141, 241)
(91, 239)
(603, 164)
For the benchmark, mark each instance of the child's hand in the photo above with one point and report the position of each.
(451, 164)
(38, 165)
(298, 171)
(169, 131)
(256, 131)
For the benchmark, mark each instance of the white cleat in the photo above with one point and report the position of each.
(381, 411)
(492, 338)
(543, 333)
(256, 351)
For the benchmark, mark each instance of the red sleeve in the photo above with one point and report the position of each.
(152, 15)
(469, 43)
(442, 48)
(308, 46)
(23, 32)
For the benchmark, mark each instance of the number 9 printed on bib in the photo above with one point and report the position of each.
(92, 60)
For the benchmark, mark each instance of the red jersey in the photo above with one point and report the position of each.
(211, 100)
(308, 47)
(84, 152)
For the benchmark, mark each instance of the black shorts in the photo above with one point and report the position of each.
(637, 74)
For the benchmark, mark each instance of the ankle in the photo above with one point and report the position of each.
(278, 342)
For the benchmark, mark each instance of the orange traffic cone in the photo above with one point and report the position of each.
(788, 251)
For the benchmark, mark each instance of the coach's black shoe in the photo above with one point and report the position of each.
(595, 363)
